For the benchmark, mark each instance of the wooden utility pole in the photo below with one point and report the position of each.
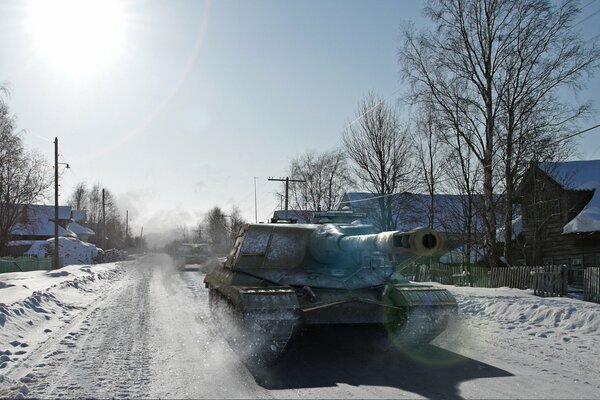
(287, 181)
(141, 239)
(255, 211)
(103, 221)
(55, 258)
(55, 254)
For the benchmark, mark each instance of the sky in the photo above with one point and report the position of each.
(177, 106)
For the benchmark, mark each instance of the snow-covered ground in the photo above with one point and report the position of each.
(551, 345)
(142, 329)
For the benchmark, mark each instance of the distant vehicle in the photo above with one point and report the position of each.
(192, 253)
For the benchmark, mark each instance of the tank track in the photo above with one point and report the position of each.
(421, 315)
(418, 326)
(260, 326)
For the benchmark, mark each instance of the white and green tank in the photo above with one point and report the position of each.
(280, 277)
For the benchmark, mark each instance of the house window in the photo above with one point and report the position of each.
(547, 261)
(576, 262)
(555, 208)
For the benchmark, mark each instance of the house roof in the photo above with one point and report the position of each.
(80, 230)
(411, 210)
(579, 175)
(78, 215)
(574, 175)
(40, 221)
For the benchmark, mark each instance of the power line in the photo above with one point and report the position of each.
(586, 18)
(577, 133)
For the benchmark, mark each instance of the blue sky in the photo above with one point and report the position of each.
(204, 96)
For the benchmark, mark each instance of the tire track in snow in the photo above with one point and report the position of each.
(106, 353)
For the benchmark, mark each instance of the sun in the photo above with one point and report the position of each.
(77, 36)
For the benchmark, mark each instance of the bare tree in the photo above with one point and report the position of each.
(235, 222)
(24, 176)
(326, 177)
(95, 206)
(199, 233)
(429, 156)
(491, 60)
(182, 233)
(217, 230)
(380, 150)
(79, 197)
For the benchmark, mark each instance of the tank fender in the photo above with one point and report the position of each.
(418, 296)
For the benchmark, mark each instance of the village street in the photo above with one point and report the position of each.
(143, 329)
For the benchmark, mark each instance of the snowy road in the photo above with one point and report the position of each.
(148, 333)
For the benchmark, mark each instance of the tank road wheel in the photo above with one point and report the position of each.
(260, 336)
(415, 326)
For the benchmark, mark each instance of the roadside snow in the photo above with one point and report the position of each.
(552, 340)
(564, 316)
(34, 304)
(72, 251)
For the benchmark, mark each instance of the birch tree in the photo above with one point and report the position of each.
(497, 65)
(380, 150)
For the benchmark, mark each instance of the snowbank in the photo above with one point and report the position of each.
(559, 316)
(72, 251)
(34, 304)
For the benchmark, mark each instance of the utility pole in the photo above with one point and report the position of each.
(255, 211)
(55, 257)
(142, 239)
(126, 226)
(103, 221)
(287, 181)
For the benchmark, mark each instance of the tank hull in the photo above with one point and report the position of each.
(261, 320)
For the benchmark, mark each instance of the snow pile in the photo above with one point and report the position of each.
(112, 255)
(562, 317)
(579, 175)
(72, 251)
(34, 304)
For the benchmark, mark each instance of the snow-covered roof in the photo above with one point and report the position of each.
(78, 215)
(574, 175)
(80, 230)
(579, 175)
(38, 220)
(411, 210)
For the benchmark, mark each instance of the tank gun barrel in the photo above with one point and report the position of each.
(326, 243)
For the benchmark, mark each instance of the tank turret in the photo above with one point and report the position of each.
(328, 241)
(279, 277)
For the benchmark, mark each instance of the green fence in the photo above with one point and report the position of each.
(23, 264)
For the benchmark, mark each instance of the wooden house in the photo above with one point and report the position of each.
(560, 216)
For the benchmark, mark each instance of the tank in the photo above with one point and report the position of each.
(278, 278)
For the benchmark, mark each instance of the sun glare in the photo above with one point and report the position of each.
(77, 36)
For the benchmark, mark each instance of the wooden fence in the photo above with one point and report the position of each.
(451, 274)
(545, 281)
(549, 281)
(591, 284)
